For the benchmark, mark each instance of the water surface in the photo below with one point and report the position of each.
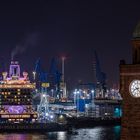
(96, 133)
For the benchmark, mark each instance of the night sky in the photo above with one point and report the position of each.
(72, 28)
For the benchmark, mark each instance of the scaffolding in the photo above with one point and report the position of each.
(43, 107)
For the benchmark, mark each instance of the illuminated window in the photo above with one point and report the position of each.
(18, 93)
(35, 116)
(18, 89)
(15, 96)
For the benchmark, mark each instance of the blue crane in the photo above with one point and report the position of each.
(54, 77)
(41, 75)
(100, 77)
(54, 70)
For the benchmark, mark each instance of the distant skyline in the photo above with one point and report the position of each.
(71, 28)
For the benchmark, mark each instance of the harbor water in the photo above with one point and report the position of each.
(96, 133)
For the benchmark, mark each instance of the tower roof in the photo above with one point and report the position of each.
(136, 33)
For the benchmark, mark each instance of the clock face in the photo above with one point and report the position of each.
(135, 88)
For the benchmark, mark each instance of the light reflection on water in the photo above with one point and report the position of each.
(96, 133)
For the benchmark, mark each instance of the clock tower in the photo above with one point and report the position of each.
(130, 91)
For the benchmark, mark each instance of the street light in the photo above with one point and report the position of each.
(92, 94)
(63, 77)
(77, 98)
(92, 100)
(44, 95)
(74, 97)
(63, 68)
(78, 92)
(92, 91)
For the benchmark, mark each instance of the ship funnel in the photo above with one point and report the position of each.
(14, 69)
(25, 75)
(4, 74)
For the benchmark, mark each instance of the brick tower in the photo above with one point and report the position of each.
(130, 91)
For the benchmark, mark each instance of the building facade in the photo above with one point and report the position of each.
(130, 92)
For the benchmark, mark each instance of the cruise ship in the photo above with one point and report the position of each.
(16, 93)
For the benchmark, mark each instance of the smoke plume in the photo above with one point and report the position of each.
(30, 40)
(17, 50)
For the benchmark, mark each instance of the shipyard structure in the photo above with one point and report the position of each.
(44, 100)
(16, 96)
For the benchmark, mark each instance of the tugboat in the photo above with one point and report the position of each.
(16, 96)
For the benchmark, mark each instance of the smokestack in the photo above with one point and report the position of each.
(4, 74)
(14, 69)
(25, 75)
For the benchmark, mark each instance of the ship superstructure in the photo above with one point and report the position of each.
(16, 96)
